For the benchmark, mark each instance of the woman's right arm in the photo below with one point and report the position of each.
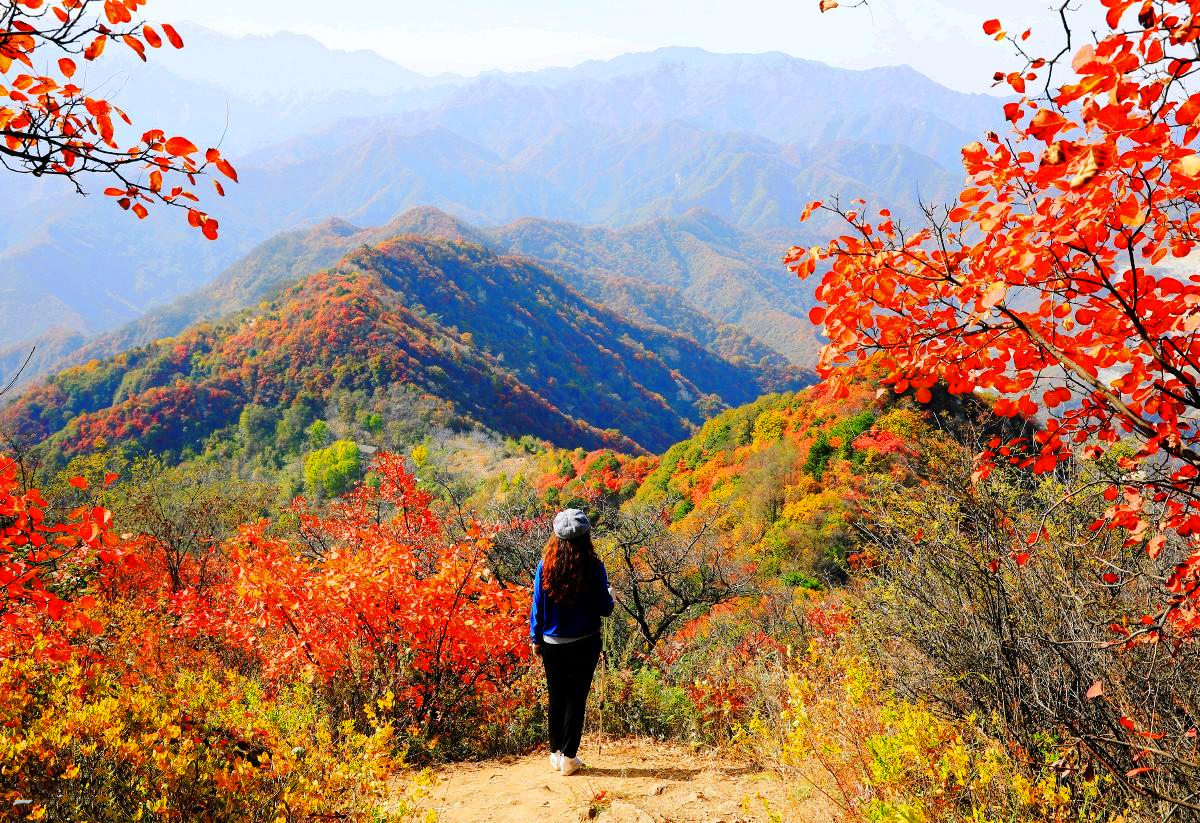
(606, 600)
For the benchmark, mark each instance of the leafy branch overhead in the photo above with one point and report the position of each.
(1051, 281)
(50, 125)
(830, 5)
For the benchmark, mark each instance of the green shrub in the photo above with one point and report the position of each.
(800, 580)
(682, 509)
(330, 471)
(642, 703)
(819, 454)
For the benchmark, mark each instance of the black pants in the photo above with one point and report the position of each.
(569, 670)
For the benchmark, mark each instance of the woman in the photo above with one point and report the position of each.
(570, 596)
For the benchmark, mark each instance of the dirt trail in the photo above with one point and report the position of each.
(628, 781)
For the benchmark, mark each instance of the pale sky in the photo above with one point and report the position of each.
(941, 38)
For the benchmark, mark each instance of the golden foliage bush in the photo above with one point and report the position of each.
(843, 734)
(199, 746)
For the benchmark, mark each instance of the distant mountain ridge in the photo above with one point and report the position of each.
(695, 275)
(750, 138)
(782, 98)
(657, 172)
(503, 340)
(287, 64)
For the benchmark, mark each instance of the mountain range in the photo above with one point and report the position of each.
(607, 145)
(502, 340)
(695, 275)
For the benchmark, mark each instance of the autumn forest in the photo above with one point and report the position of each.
(882, 399)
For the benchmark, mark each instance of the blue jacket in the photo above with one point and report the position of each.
(548, 618)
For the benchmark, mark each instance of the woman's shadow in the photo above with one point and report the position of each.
(674, 775)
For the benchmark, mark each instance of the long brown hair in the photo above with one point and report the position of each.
(569, 569)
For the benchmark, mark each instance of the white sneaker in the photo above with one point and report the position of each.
(570, 765)
(555, 760)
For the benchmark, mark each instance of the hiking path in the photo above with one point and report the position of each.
(625, 781)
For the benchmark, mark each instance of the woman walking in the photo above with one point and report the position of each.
(570, 597)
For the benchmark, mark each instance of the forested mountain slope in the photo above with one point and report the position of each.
(577, 174)
(501, 339)
(695, 275)
(729, 274)
(783, 477)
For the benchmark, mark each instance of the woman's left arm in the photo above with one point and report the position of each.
(536, 612)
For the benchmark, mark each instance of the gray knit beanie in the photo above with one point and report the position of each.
(571, 523)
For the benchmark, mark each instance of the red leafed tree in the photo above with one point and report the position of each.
(49, 125)
(373, 593)
(1060, 279)
(45, 567)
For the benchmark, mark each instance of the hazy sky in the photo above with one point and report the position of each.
(941, 38)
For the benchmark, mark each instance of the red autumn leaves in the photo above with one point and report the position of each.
(1046, 266)
(51, 126)
(41, 562)
(391, 589)
(371, 588)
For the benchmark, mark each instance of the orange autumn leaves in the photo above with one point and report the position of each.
(1048, 265)
(42, 565)
(371, 590)
(388, 591)
(50, 125)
